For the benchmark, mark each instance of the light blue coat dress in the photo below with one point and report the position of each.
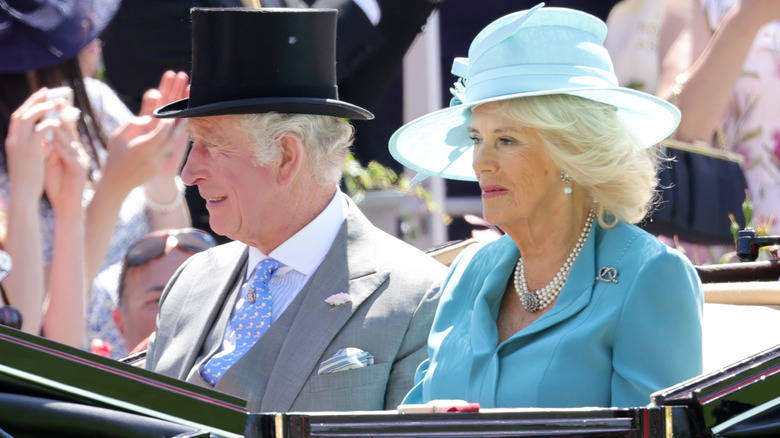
(601, 344)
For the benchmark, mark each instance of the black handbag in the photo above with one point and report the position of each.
(699, 187)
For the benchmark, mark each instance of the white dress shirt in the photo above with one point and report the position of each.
(301, 254)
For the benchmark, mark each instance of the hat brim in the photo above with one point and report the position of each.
(439, 143)
(294, 105)
(27, 44)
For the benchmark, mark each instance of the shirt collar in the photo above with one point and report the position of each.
(306, 249)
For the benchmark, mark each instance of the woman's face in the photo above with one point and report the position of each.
(90, 58)
(517, 177)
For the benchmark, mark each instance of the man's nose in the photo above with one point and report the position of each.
(194, 169)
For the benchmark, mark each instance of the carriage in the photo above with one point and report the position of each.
(49, 389)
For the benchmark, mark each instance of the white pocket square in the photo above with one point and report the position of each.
(346, 359)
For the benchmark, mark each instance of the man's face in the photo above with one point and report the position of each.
(242, 198)
(141, 294)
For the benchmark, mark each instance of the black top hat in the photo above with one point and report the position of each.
(260, 60)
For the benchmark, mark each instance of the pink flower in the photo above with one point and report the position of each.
(339, 299)
(776, 137)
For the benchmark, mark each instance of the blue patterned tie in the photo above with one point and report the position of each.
(250, 322)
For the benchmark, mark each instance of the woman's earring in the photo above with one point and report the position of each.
(566, 179)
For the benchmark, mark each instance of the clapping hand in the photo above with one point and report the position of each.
(173, 87)
(748, 16)
(66, 168)
(760, 11)
(26, 147)
(147, 149)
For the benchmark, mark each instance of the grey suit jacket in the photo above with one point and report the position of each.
(394, 289)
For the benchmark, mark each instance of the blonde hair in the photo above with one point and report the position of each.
(587, 140)
(327, 140)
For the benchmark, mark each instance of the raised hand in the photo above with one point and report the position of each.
(173, 87)
(759, 12)
(148, 150)
(137, 152)
(66, 169)
(26, 148)
(26, 145)
(144, 152)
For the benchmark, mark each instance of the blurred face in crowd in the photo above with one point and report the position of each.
(140, 297)
(91, 58)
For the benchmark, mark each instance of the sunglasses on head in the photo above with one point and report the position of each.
(188, 239)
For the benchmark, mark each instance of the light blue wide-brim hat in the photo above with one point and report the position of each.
(536, 52)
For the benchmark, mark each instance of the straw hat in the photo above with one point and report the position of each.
(536, 52)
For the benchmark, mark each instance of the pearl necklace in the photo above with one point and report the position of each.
(534, 301)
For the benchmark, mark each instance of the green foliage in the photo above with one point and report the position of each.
(762, 226)
(359, 179)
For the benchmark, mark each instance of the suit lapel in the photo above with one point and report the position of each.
(205, 300)
(317, 322)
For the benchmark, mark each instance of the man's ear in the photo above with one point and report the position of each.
(293, 154)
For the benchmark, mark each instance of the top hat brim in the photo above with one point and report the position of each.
(292, 105)
(439, 143)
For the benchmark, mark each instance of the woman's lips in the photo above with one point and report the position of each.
(493, 191)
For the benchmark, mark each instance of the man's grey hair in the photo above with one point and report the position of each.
(326, 138)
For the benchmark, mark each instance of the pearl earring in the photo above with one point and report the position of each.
(566, 179)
